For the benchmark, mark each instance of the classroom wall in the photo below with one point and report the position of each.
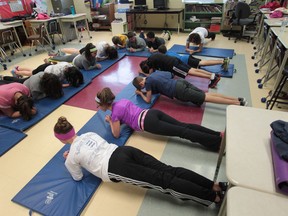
(158, 21)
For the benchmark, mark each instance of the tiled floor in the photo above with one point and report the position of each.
(23, 161)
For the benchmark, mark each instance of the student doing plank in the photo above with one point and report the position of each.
(153, 121)
(86, 60)
(15, 101)
(131, 165)
(180, 89)
(160, 61)
(197, 37)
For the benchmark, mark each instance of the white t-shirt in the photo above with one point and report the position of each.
(203, 33)
(101, 49)
(91, 152)
(58, 69)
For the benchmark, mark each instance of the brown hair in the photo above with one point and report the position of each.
(62, 126)
(136, 82)
(106, 96)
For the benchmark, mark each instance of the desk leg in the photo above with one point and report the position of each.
(264, 52)
(178, 24)
(18, 40)
(48, 37)
(87, 28)
(76, 31)
(279, 74)
(272, 57)
(220, 156)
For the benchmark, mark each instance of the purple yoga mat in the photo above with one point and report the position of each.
(280, 168)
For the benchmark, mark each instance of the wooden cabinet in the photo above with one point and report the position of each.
(103, 16)
(201, 14)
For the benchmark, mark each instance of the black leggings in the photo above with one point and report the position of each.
(131, 165)
(158, 122)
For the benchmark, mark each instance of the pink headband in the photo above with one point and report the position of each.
(66, 136)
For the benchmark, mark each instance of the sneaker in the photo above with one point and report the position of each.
(163, 34)
(13, 72)
(214, 82)
(169, 34)
(225, 64)
(243, 103)
(60, 53)
(242, 99)
(52, 53)
(213, 37)
(224, 185)
(166, 37)
(141, 35)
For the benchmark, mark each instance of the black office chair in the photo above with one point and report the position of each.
(241, 17)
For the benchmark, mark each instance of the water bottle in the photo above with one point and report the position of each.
(284, 24)
(72, 10)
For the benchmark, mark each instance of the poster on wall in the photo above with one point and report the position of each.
(13, 8)
(16, 6)
(41, 6)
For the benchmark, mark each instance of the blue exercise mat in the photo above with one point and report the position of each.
(46, 106)
(206, 51)
(144, 53)
(105, 65)
(213, 69)
(9, 138)
(53, 191)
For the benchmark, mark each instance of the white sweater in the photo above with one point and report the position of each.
(91, 152)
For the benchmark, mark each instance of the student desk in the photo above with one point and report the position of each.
(36, 23)
(73, 19)
(248, 151)
(13, 25)
(268, 23)
(283, 40)
(246, 202)
(177, 11)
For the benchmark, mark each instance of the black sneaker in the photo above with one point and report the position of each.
(214, 82)
(224, 185)
(243, 103)
(242, 99)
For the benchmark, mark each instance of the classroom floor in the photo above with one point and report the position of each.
(23, 161)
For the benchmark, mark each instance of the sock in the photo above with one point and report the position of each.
(212, 76)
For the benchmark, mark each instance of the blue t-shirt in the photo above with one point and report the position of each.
(183, 58)
(161, 82)
(126, 112)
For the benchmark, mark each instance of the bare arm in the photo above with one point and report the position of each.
(115, 126)
(147, 96)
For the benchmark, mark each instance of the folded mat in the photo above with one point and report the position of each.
(280, 166)
(46, 106)
(213, 68)
(206, 51)
(53, 191)
(9, 138)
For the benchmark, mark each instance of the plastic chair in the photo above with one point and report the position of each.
(241, 18)
(53, 30)
(37, 36)
(10, 41)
